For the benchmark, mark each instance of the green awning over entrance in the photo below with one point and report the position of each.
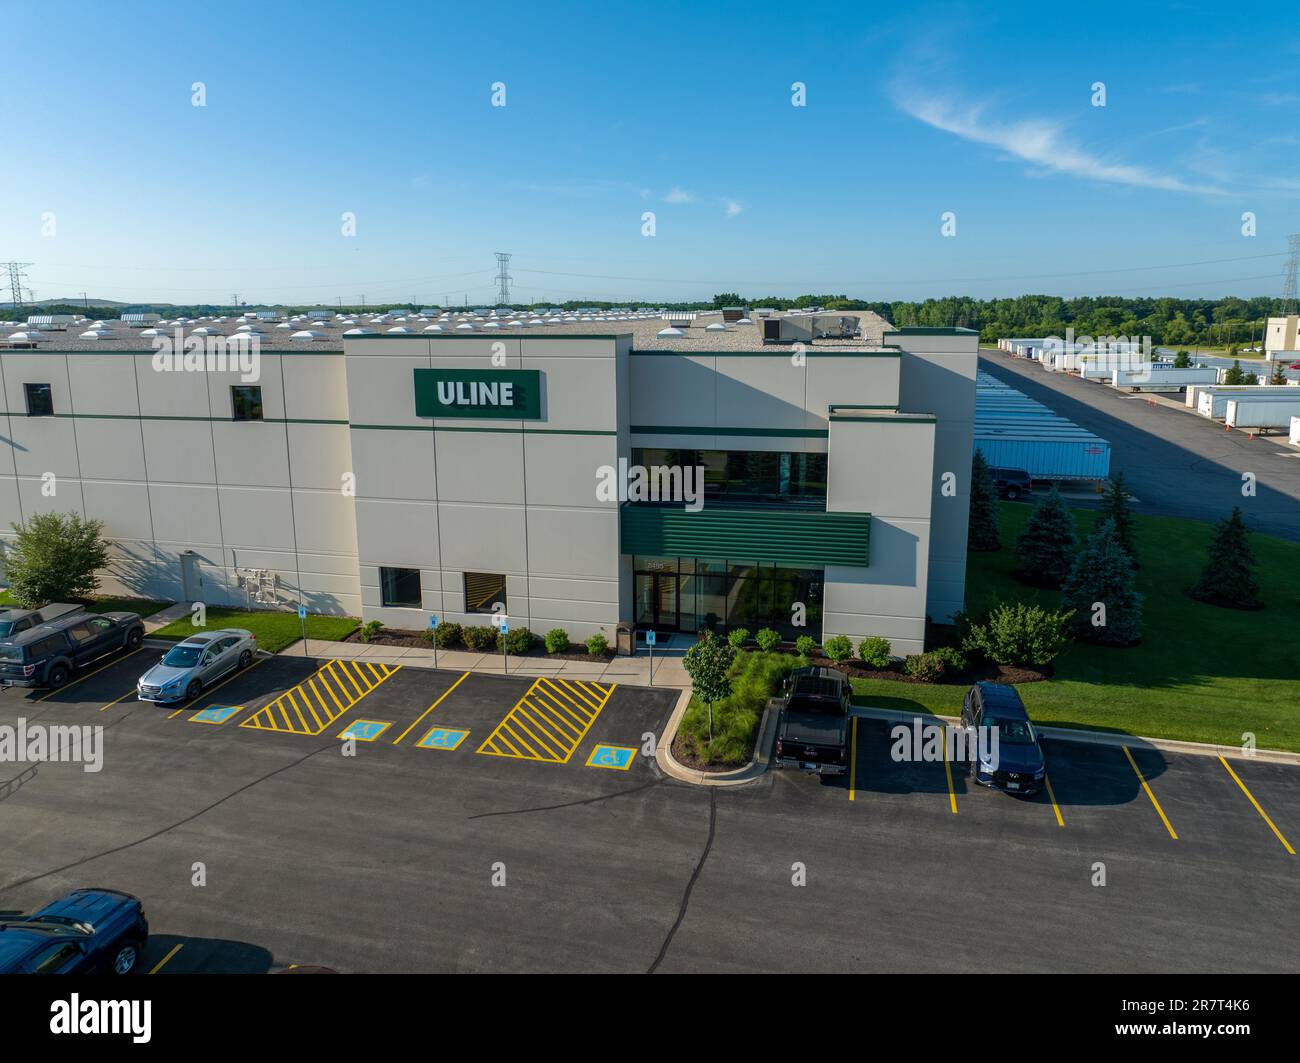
(787, 537)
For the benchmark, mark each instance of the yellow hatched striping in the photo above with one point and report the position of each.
(321, 698)
(549, 722)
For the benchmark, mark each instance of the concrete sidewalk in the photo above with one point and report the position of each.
(628, 671)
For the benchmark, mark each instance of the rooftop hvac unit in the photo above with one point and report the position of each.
(732, 313)
(140, 320)
(679, 318)
(51, 322)
(268, 315)
(320, 315)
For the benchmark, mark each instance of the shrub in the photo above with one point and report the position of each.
(370, 629)
(426, 634)
(767, 639)
(1020, 634)
(928, 667)
(479, 638)
(838, 648)
(517, 640)
(805, 645)
(737, 637)
(446, 634)
(55, 557)
(598, 645)
(557, 640)
(953, 659)
(876, 652)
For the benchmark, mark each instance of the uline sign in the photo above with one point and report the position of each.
(492, 393)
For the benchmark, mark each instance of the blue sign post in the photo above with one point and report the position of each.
(504, 628)
(433, 625)
(650, 645)
(302, 619)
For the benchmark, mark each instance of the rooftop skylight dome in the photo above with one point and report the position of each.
(359, 332)
(669, 333)
(307, 335)
(399, 329)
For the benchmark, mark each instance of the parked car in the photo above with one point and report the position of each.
(47, 654)
(1012, 483)
(813, 729)
(13, 621)
(199, 661)
(90, 931)
(1019, 765)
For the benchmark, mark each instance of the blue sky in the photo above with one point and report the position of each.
(384, 110)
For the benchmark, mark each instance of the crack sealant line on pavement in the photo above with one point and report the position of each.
(690, 886)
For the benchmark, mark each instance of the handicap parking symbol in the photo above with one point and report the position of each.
(365, 730)
(215, 714)
(619, 758)
(442, 738)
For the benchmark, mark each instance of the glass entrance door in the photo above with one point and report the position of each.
(657, 600)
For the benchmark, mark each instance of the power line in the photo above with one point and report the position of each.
(16, 278)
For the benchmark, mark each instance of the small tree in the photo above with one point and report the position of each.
(1045, 549)
(1182, 360)
(1115, 508)
(1234, 375)
(1099, 590)
(1278, 377)
(55, 556)
(983, 534)
(1227, 578)
(708, 663)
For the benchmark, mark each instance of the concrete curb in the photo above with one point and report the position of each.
(673, 768)
(1102, 738)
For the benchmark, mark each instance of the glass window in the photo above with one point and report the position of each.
(182, 657)
(40, 400)
(246, 402)
(484, 591)
(55, 958)
(399, 588)
(748, 476)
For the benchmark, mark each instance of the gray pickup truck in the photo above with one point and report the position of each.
(812, 733)
(13, 621)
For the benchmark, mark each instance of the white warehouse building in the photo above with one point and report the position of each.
(451, 466)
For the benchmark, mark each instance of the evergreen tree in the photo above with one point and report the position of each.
(1045, 549)
(1234, 375)
(1182, 360)
(1100, 591)
(1115, 507)
(983, 534)
(1227, 578)
(1278, 377)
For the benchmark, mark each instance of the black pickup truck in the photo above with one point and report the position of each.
(812, 733)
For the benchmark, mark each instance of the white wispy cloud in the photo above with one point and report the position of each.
(1044, 144)
(733, 208)
(679, 195)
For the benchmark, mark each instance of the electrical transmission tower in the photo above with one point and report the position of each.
(1288, 288)
(503, 278)
(16, 278)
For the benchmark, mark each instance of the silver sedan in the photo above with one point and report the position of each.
(198, 662)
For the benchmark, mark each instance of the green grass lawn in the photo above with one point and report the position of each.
(1201, 673)
(139, 606)
(274, 630)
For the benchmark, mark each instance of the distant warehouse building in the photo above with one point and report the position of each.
(463, 464)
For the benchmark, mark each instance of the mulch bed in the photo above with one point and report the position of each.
(392, 636)
(685, 756)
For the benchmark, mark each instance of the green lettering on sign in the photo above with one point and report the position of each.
(510, 394)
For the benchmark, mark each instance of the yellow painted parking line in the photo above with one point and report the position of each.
(1156, 804)
(1251, 798)
(947, 770)
(1052, 797)
(82, 679)
(431, 708)
(159, 965)
(853, 760)
(212, 690)
(549, 722)
(280, 714)
(116, 700)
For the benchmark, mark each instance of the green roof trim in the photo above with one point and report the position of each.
(933, 330)
(784, 536)
(810, 350)
(895, 418)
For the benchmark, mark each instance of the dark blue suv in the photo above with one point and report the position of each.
(90, 931)
(1019, 766)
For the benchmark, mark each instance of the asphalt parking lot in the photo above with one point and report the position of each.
(472, 823)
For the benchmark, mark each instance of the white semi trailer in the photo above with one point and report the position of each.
(1269, 414)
